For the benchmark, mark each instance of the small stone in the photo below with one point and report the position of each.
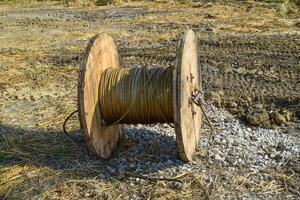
(258, 106)
(88, 194)
(209, 16)
(176, 185)
(231, 104)
(218, 157)
(184, 186)
(288, 115)
(197, 4)
(221, 93)
(235, 110)
(11, 90)
(31, 174)
(240, 132)
(280, 146)
(258, 119)
(216, 98)
(278, 118)
(231, 141)
(105, 195)
(223, 141)
(248, 99)
(170, 162)
(253, 138)
(273, 155)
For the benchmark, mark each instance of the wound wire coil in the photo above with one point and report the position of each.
(136, 95)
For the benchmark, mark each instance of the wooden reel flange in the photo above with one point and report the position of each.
(101, 54)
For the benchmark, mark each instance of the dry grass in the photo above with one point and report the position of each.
(49, 166)
(77, 3)
(38, 162)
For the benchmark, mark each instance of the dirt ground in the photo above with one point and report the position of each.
(249, 55)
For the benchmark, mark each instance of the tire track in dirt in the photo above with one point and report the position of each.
(263, 67)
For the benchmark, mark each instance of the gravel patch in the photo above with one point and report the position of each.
(237, 152)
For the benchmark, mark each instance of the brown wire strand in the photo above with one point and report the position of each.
(136, 95)
(75, 142)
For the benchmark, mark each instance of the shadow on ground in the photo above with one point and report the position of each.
(140, 150)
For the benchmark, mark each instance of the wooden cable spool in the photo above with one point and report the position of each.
(101, 54)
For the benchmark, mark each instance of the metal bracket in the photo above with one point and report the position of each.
(196, 99)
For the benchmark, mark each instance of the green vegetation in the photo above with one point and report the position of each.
(287, 7)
